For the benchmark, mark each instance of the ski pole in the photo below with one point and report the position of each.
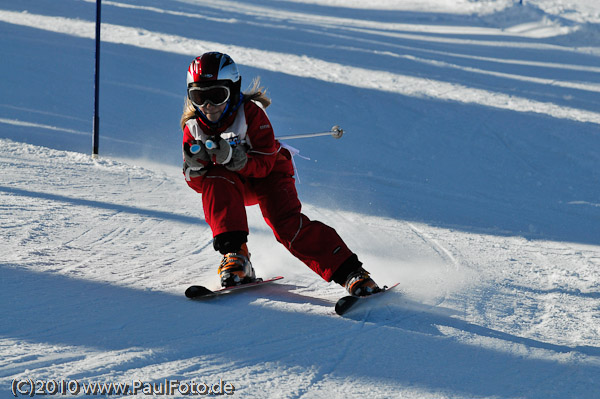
(211, 144)
(335, 131)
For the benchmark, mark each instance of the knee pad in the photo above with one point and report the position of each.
(230, 242)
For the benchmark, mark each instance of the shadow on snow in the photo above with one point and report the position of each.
(233, 333)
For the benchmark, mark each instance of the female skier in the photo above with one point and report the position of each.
(232, 158)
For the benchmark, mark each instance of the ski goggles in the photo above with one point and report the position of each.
(216, 95)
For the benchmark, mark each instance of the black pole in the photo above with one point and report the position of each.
(95, 137)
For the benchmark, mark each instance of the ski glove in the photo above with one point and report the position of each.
(195, 159)
(238, 158)
(233, 158)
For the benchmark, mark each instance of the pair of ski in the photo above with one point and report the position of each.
(342, 306)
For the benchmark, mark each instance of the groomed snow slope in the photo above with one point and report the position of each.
(469, 173)
(97, 255)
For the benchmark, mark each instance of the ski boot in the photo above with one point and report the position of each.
(236, 269)
(359, 283)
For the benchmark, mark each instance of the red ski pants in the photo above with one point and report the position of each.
(225, 195)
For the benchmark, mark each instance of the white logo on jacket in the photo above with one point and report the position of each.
(235, 133)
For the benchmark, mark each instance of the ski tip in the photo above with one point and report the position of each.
(392, 286)
(344, 304)
(197, 291)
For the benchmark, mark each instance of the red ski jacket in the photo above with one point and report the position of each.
(250, 124)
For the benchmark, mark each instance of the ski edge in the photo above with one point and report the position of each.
(201, 292)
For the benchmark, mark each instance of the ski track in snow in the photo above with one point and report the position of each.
(97, 253)
(295, 65)
(136, 246)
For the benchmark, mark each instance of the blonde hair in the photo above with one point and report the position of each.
(255, 92)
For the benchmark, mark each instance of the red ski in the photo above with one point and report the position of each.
(201, 292)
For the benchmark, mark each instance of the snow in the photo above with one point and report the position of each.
(469, 172)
